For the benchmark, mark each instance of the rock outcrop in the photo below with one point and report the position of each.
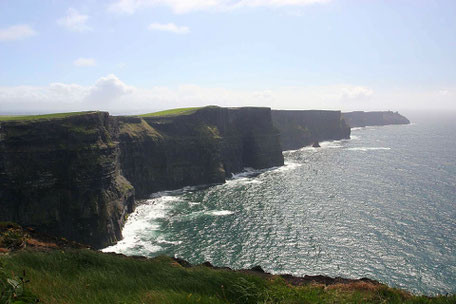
(300, 128)
(364, 119)
(202, 147)
(62, 177)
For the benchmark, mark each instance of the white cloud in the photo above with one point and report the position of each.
(169, 27)
(111, 94)
(444, 92)
(185, 6)
(108, 93)
(356, 92)
(84, 62)
(75, 21)
(16, 32)
(275, 3)
(108, 89)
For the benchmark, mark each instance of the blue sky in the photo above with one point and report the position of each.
(130, 56)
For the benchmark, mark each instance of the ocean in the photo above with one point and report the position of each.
(381, 205)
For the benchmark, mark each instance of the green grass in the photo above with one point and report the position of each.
(84, 276)
(38, 117)
(139, 129)
(179, 111)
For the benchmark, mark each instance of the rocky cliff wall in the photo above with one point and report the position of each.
(72, 176)
(363, 119)
(62, 176)
(300, 128)
(154, 160)
(202, 147)
(77, 176)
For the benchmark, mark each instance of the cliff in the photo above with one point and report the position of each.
(75, 175)
(61, 175)
(201, 146)
(302, 128)
(363, 119)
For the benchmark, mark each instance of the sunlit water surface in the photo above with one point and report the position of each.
(381, 205)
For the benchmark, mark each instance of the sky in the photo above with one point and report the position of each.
(139, 56)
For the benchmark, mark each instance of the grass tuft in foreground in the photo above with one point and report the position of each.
(86, 276)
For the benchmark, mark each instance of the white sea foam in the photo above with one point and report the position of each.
(364, 149)
(248, 172)
(148, 248)
(331, 144)
(220, 212)
(287, 152)
(254, 181)
(243, 180)
(142, 222)
(163, 241)
(289, 166)
(248, 176)
(324, 144)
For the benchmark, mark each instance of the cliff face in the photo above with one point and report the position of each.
(202, 147)
(153, 160)
(143, 155)
(363, 119)
(302, 128)
(72, 176)
(62, 176)
(76, 176)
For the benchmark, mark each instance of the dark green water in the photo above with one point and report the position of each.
(381, 205)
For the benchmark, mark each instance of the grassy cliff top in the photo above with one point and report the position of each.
(39, 117)
(172, 112)
(139, 129)
(57, 271)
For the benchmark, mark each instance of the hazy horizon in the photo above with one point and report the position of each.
(139, 56)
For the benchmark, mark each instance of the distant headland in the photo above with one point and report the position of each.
(363, 119)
